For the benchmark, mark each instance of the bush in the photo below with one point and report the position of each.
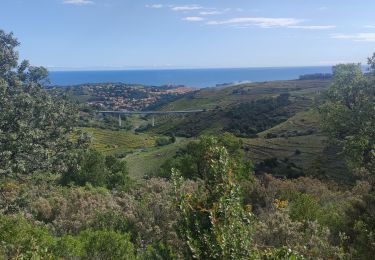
(309, 239)
(212, 222)
(98, 170)
(70, 210)
(162, 141)
(106, 244)
(304, 207)
(19, 239)
(190, 160)
(271, 135)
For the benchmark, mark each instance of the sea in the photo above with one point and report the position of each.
(197, 78)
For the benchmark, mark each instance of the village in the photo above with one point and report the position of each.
(120, 96)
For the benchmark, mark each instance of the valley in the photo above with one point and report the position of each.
(286, 136)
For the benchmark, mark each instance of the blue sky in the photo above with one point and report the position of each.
(115, 34)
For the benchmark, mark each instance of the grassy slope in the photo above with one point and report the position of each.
(315, 151)
(112, 142)
(287, 142)
(142, 163)
(143, 156)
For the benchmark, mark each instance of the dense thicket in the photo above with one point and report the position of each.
(248, 119)
(98, 170)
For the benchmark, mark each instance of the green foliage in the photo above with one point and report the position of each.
(348, 117)
(158, 251)
(162, 141)
(280, 168)
(304, 207)
(348, 114)
(110, 219)
(190, 164)
(67, 247)
(248, 119)
(360, 226)
(106, 244)
(22, 240)
(34, 127)
(98, 170)
(212, 222)
(114, 142)
(8, 55)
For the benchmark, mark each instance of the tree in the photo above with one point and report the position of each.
(189, 160)
(349, 118)
(98, 170)
(213, 223)
(35, 128)
(348, 114)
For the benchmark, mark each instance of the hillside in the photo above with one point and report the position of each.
(118, 142)
(284, 140)
(298, 143)
(147, 161)
(222, 97)
(223, 103)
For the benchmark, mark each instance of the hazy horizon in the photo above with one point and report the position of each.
(62, 69)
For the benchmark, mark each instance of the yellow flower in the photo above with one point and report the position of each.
(280, 204)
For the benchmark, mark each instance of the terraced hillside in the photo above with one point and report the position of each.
(299, 143)
(140, 152)
(148, 161)
(223, 104)
(118, 142)
(210, 98)
(290, 139)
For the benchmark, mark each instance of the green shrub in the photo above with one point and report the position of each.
(19, 239)
(212, 222)
(158, 251)
(162, 141)
(190, 160)
(68, 246)
(106, 244)
(304, 207)
(110, 219)
(98, 170)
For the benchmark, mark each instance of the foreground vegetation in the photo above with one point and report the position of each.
(63, 196)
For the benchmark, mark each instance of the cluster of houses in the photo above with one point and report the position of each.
(130, 97)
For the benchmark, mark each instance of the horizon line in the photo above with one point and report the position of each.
(63, 69)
